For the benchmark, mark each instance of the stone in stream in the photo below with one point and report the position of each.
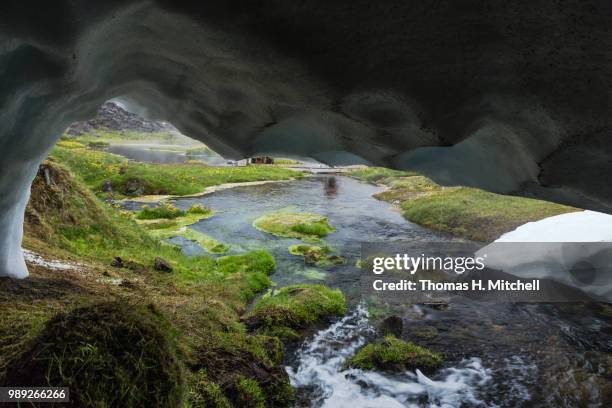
(392, 325)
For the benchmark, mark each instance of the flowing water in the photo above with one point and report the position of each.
(496, 355)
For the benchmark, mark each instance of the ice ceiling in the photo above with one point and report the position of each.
(506, 96)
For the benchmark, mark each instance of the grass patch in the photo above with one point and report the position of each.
(317, 255)
(295, 308)
(167, 228)
(249, 394)
(376, 174)
(477, 215)
(97, 144)
(205, 241)
(70, 144)
(169, 211)
(250, 269)
(393, 354)
(464, 212)
(95, 168)
(306, 226)
(109, 354)
(203, 298)
(164, 210)
(247, 369)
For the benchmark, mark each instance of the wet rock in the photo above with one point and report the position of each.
(162, 265)
(107, 187)
(117, 262)
(134, 187)
(392, 325)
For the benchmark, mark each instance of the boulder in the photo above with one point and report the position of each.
(162, 265)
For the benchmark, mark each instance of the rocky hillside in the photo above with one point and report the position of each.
(111, 116)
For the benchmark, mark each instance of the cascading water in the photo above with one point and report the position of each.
(321, 378)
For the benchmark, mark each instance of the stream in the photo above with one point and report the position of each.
(496, 355)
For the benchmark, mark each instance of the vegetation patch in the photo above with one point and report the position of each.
(461, 211)
(164, 210)
(294, 308)
(377, 174)
(110, 354)
(251, 270)
(202, 297)
(317, 255)
(393, 354)
(406, 188)
(307, 226)
(246, 369)
(70, 144)
(99, 170)
(205, 241)
(476, 214)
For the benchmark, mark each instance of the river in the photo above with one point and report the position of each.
(496, 355)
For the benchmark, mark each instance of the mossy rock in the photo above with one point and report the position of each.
(109, 354)
(307, 226)
(317, 255)
(393, 354)
(294, 308)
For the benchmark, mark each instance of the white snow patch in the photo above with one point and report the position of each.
(583, 226)
(559, 245)
(36, 259)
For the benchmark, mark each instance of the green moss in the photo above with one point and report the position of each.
(206, 241)
(295, 307)
(406, 188)
(110, 354)
(165, 228)
(477, 215)
(395, 355)
(250, 269)
(306, 226)
(376, 174)
(255, 261)
(317, 256)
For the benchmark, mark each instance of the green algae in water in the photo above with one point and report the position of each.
(306, 226)
(317, 255)
(205, 241)
(168, 228)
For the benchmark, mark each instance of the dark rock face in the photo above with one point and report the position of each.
(114, 117)
(493, 94)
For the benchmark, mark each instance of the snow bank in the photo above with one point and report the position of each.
(574, 249)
